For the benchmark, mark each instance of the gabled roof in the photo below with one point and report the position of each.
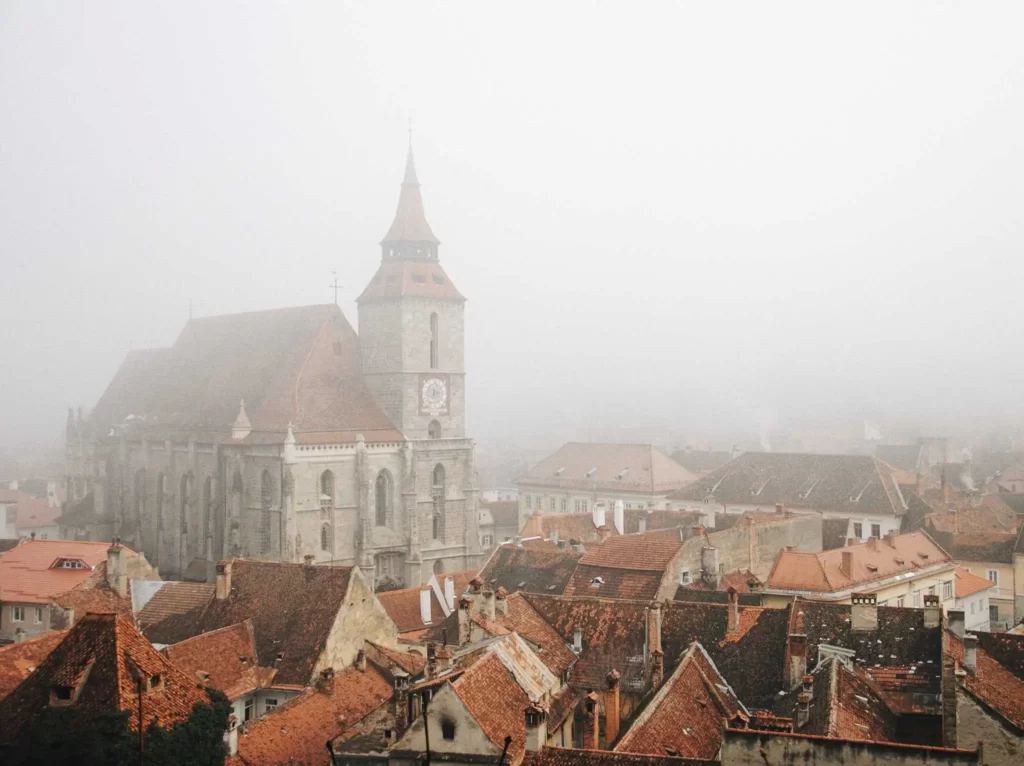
(296, 732)
(633, 468)
(699, 462)
(848, 484)
(905, 457)
(28, 574)
(224, 659)
(523, 619)
(99, 660)
(403, 607)
(846, 705)
(292, 607)
(686, 714)
(968, 584)
(531, 570)
(991, 683)
(989, 514)
(172, 613)
(18, 660)
(293, 365)
(870, 562)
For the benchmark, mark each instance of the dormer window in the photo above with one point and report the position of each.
(577, 640)
(70, 564)
(62, 693)
(156, 682)
(685, 578)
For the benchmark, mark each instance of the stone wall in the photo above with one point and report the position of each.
(1003, 745)
(361, 618)
(751, 748)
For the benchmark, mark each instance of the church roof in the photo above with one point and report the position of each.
(296, 365)
(400, 278)
(410, 224)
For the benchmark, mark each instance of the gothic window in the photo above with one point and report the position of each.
(438, 567)
(207, 511)
(325, 537)
(161, 490)
(382, 498)
(437, 493)
(185, 501)
(433, 341)
(266, 493)
(326, 490)
(434, 430)
(139, 493)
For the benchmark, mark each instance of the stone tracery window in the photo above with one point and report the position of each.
(383, 498)
(263, 530)
(326, 490)
(438, 496)
(433, 341)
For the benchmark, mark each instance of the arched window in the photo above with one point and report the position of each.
(139, 495)
(438, 567)
(433, 341)
(437, 494)
(325, 537)
(161, 491)
(434, 430)
(266, 494)
(185, 501)
(207, 513)
(382, 498)
(326, 490)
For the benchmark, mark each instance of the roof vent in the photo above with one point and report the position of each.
(590, 473)
(560, 471)
(922, 555)
(622, 474)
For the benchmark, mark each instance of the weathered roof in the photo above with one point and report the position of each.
(560, 756)
(1006, 648)
(608, 468)
(411, 662)
(968, 584)
(505, 513)
(871, 561)
(33, 512)
(700, 462)
(906, 457)
(100, 658)
(400, 278)
(296, 732)
(992, 683)
(403, 607)
(28, 573)
(224, 659)
(18, 660)
(849, 484)
(292, 608)
(530, 569)
(523, 619)
(686, 714)
(846, 705)
(293, 365)
(988, 515)
(997, 547)
(172, 613)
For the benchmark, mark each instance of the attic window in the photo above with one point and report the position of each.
(62, 693)
(872, 568)
(156, 682)
(597, 582)
(448, 729)
(420, 278)
(70, 564)
(922, 555)
(438, 280)
(685, 578)
(901, 562)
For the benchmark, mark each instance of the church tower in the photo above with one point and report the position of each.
(411, 327)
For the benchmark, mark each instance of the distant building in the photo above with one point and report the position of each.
(972, 595)
(702, 462)
(499, 521)
(582, 474)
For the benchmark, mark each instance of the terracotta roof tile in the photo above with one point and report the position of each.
(411, 662)
(295, 733)
(20, 659)
(847, 706)
(100, 657)
(968, 584)
(173, 612)
(1006, 648)
(616, 582)
(528, 623)
(991, 683)
(557, 756)
(651, 551)
(530, 570)
(484, 683)
(608, 467)
(224, 659)
(28, 573)
(403, 607)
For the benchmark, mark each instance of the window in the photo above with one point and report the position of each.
(993, 614)
(247, 716)
(487, 541)
(326, 490)
(266, 495)
(528, 501)
(325, 537)
(270, 703)
(18, 614)
(382, 498)
(438, 492)
(63, 693)
(973, 604)
(899, 601)
(69, 564)
(448, 729)
(917, 598)
(947, 590)
(434, 430)
(433, 342)
(876, 530)
(583, 505)
(565, 504)
(684, 577)
(858, 530)
(185, 502)
(156, 682)
(931, 590)
(993, 575)
(551, 503)
(39, 615)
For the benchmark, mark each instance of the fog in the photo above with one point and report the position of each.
(686, 219)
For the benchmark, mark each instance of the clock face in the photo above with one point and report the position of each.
(434, 394)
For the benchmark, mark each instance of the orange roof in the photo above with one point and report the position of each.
(403, 607)
(397, 278)
(991, 682)
(482, 685)
(100, 658)
(27, 573)
(410, 662)
(647, 552)
(992, 516)
(33, 512)
(968, 584)
(296, 731)
(18, 660)
(869, 562)
(224, 659)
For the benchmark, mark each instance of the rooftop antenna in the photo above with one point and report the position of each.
(336, 287)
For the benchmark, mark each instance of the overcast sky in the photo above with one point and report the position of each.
(699, 215)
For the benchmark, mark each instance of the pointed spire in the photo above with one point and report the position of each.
(410, 225)
(242, 427)
(410, 178)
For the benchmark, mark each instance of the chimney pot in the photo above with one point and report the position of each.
(864, 612)
(223, 580)
(612, 719)
(308, 559)
(970, 653)
(846, 563)
(734, 610)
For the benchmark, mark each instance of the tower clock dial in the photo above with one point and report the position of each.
(434, 394)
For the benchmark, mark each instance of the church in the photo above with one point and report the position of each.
(284, 435)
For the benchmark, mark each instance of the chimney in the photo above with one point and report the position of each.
(536, 729)
(619, 517)
(464, 621)
(425, 611)
(577, 640)
(846, 565)
(611, 708)
(949, 733)
(486, 599)
(449, 593)
(325, 681)
(709, 565)
(852, 541)
(807, 683)
(864, 612)
(444, 658)
(932, 611)
(117, 568)
(308, 559)
(890, 538)
(642, 524)
(803, 709)
(598, 515)
(431, 660)
(591, 728)
(654, 628)
(553, 537)
(603, 533)
(501, 602)
(401, 701)
(223, 580)
(873, 543)
(797, 652)
(779, 509)
(360, 661)
(955, 619)
(970, 653)
(657, 668)
(734, 610)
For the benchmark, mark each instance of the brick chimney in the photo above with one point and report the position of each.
(890, 538)
(611, 708)
(223, 580)
(401, 701)
(955, 620)
(536, 729)
(846, 564)
(444, 657)
(657, 668)
(864, 612)
(308, 559)
(464, 620)
(734, 610)
(949, 733)
(932, 611)
(654, 627)
(486, 599)
(796, 652)
(501, 602)
(431, 668)
(970, 653)
(117, 568)
(603, 533)
(591, 728)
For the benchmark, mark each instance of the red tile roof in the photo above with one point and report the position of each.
(411, 662)
(608, 467)
(686, 714)
(558, 756)
(28, 575)
(650, 552)
(396, 278)
(100, 658)
(872, 561)
(484, 684)
(606, 582)
(968, 584)
(533, 570)
(992, 516)
(224, 659)
(171, 614)
(410, 224)
(18, 660)
(403, 607)
(847, 706)
(296, 732)
(528, 623)
(991, 682)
